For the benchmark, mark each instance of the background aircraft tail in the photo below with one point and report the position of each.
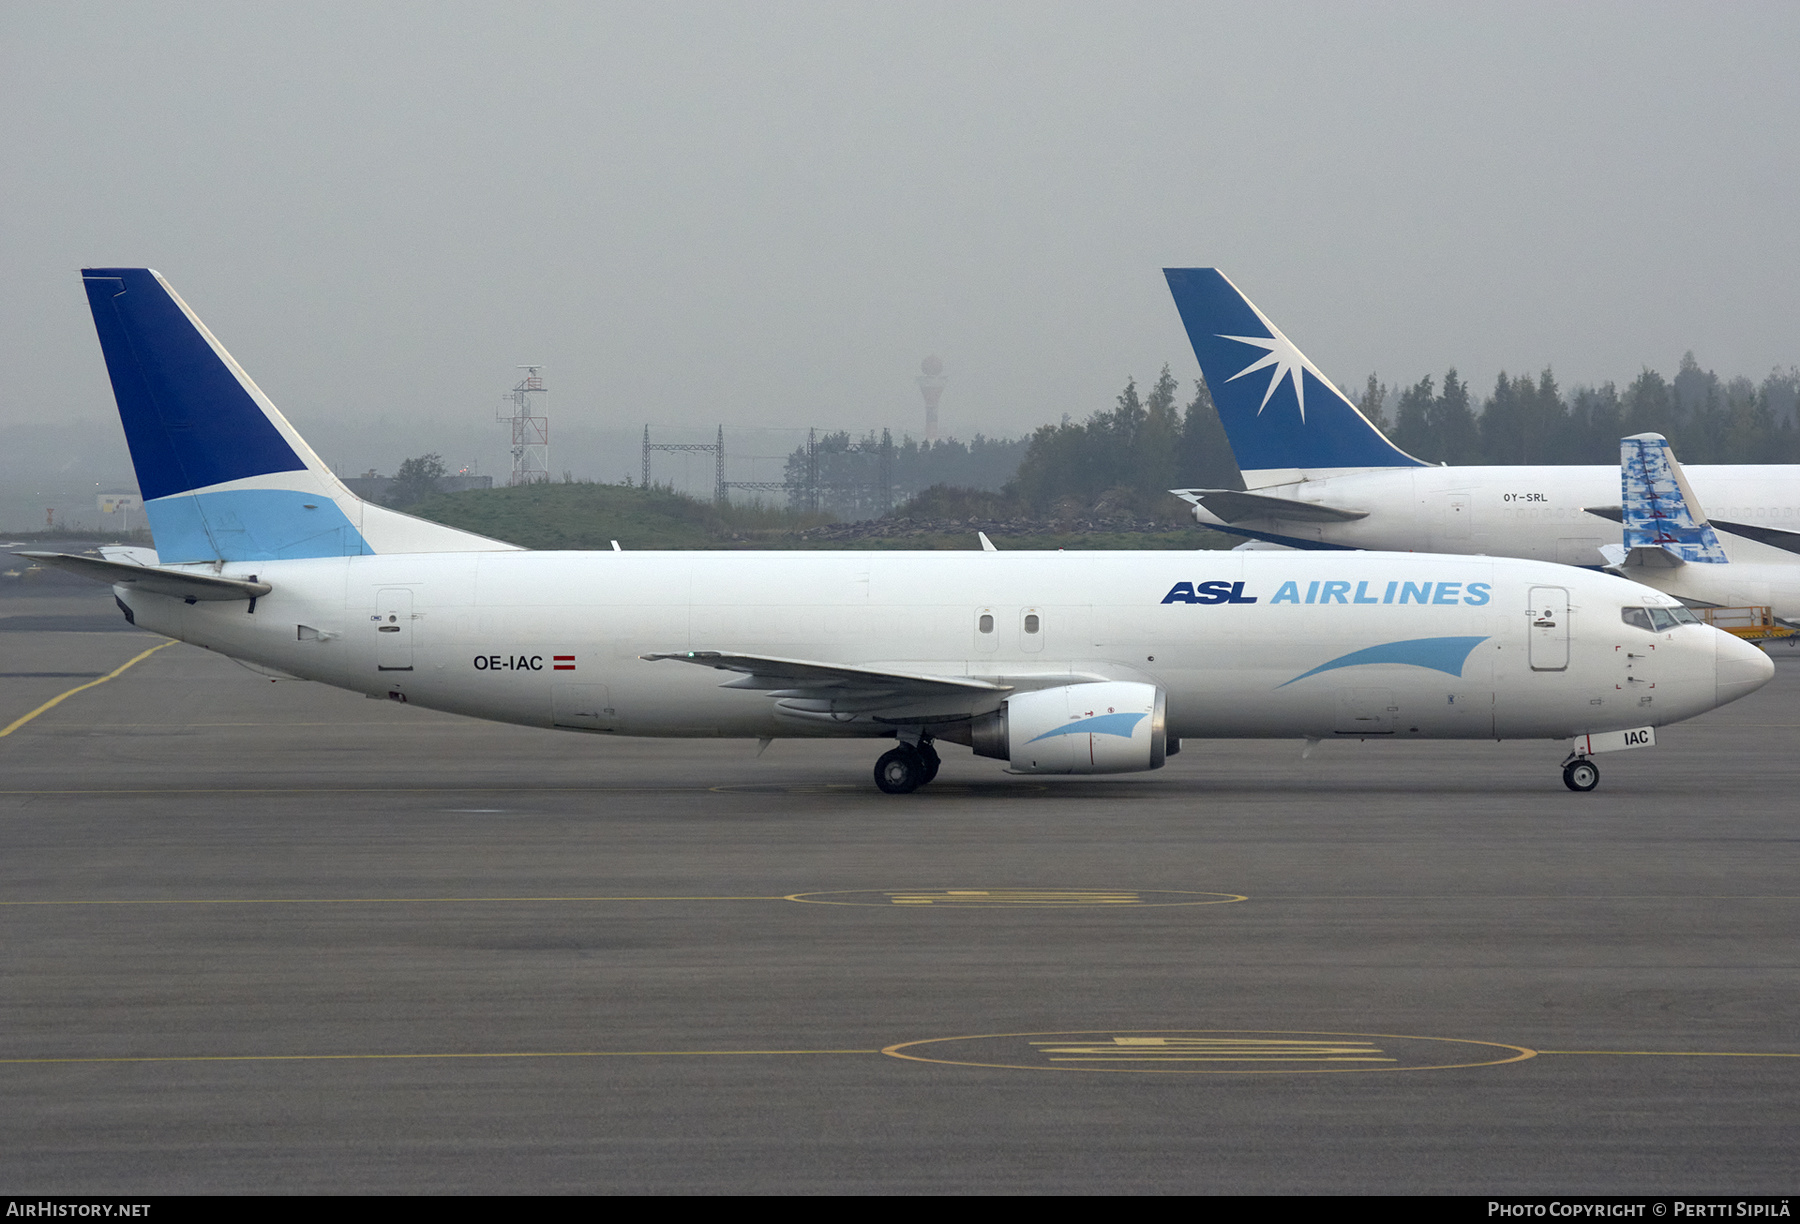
(223, 475)
(1658, 507)
(1284, 418)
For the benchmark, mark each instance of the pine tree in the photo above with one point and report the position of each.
(1412, 422)
(1373, 404)
(1206, 461)
(1452, 423)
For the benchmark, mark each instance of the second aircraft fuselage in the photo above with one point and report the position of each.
(1538, 513)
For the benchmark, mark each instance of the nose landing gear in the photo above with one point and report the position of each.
(905, 767)
(1581, 774)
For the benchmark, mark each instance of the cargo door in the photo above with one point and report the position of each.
(1583, 551)
(1364, 711)
(1459, 518)
(583, 707)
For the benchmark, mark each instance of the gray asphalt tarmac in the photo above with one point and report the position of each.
(274, 937)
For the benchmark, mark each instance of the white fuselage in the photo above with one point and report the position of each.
(1537, 513)
(1245, 644)
(1772, 580)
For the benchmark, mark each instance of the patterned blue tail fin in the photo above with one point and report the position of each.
(1658, 508)
(1284, 418)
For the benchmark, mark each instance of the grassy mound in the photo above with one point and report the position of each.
(547, 516)
(578, 516)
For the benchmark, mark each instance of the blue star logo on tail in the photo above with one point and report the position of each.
(1281, 353)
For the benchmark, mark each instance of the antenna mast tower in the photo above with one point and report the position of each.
(530, 429)
(931, 386)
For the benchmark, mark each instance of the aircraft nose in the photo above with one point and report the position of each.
(1741, 667)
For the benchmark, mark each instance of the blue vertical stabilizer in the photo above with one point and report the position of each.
(188, 419)
(224, 477)
(1282, 416)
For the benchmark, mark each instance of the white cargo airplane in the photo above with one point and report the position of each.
(1319, 475)
(1671, 545)
(1054, 662)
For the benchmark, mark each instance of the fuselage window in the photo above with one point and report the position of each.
(986, 623)
(1031, 622)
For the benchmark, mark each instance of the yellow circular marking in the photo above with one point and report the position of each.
(1210, 1052)
(1014, 898)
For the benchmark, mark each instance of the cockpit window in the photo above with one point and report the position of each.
(1657, 620)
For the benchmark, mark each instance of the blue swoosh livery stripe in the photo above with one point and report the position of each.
(1100, 724)
(1445, 654)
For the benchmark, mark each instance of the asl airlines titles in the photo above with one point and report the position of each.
(1474, 594)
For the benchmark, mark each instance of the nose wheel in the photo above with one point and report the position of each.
(1581, 774)
(904, 768)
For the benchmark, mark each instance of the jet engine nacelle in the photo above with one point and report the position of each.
(1115, 726)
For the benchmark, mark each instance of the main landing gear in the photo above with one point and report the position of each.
(905, 767)
(1581, 774)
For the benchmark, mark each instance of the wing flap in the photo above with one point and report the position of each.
(789, 678)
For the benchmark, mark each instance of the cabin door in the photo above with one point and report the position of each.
(394, 629)
(1549, 628)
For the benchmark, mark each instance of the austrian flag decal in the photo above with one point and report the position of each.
(563, 662)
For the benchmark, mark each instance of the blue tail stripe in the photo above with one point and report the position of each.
(251, 525)
(1445, 654)
(1266, 424)
(188, 421)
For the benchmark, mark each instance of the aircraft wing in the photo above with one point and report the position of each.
(778, 675)
(179, 583)
(1231, 505)
(838, 693)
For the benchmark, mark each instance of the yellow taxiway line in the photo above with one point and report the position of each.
(16, 723)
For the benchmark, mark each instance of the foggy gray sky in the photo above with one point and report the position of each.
(767, 214)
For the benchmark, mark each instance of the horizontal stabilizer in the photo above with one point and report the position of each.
(1644, 556)
(182, 584)
(1232, 505)
(1774, 537)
